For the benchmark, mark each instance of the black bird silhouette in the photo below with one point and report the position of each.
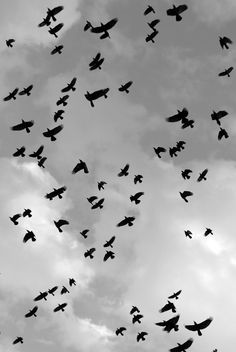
(42, 295)
(202, 175)
(182, 347)
(125, 87)
(52, 290)
(92, 199)
(120, 331)
(29, 236)
(51, 133)
(63, 100)
(136, 318)
(224, 41)
(51, 13)
(70, 86)
(180, 145)
(57, 49)
(17, 340)
(173, 151)
(96, 94)
(187, 123)
(80, 166)
(134, 309)
(9, 42)
(208, 232)
(14, 218)
(182, 114)
(135, 197)
(185, 194)
(128, 220)
(64, 290)
(188, 233)
(186, 174)
(60, 307)
(19, 152)
(27, 212)
(26, 91)
(11, 95)
(99, 204)
(38, 153)
(72, 282)
(96, 62)
(222, 133)
(109, 254)
(148, 10)
(84, 233)
(218, 115)
(57, 192)
(170, 324)
(198, 327)
(55, 29)
(153, 24)
(104, 28)
(124, 171)
(42, 161)
(150, 37)
(110, 242)
(58, 115)
(101, 185)
(176, 11)
(226, 72)
(32, 312)
(89, 253)
(87, 26)
(45, 22)
(60, 223)
(175, 295)
(138, 178)
(159, 150)
(24, 125)
(168, 306)
(141, 336)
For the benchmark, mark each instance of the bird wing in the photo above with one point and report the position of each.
(222, 113)
(171, 12)
(174, 118)
(187, 344)
(63, 222)
(191, 327)
(56, 129)
(162, 323)
(182, 8)
(187, 193)
(18, 127)
(204, 324)
(228, 40)
(122, 223)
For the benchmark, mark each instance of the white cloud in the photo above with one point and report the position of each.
(215, 12)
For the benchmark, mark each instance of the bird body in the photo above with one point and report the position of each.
(141, 336)
(9, 42)
(11, 95)
(80, 166)
(170, 324)
(51, 13)
(222, 133)
(148, 10)
(120, 331)
(136, 196)
(50, 133)
(63, 100)
(17, 340)
(99, 204)
(60, 307)
(29, 236)
(57, 50)
(188, 233)
(60, 223)
(32, 312)
(136, 318)
(202, 175)
(176, 294)
(216, 116)
(159, 150)
(42, 161)
(138, 178)
(84, 233)
(56, 193)
(42, 295)
(96, 94)
(52, 290)
(176, 11)
(26, 91)
(199, 326)
(38, 153)
(14, 218)
(70, 86)
(64, 290)
(185, 194)
(128, 220)
(153, 23)
(109, 254)
(125, 87)
(168, 306)
(54, 30)
(134, 309)
(208, 232)
(226, 72)
(89, 253)
(72, 282)
(224, 42)
(110, 242)
(19, 152)
(24, 125)
(186, 173)
(124, 171)
(182, 347)
(92, 199)
(150, 37)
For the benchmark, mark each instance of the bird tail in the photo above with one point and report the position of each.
(92, 104)
(131, 198)
(199, 333)
(53, 138)
(178, 18)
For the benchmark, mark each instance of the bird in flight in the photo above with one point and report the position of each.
(180, 145)
(96, 94)
(70, 86)
(57, 192)
(208, 232)
(226, 72)
(150, 37)
(72, 282)
(42, 161)
(159, 150)
(89, 253)
(199, 326)
(216, 116)
(42, 295)
(92, 199)
(103, 29)
(110, 242)
(84, 233)
(185, 194)
(170, 324)
(186, 174)
(181, 114)
(148, 10)
(128, 220)
(176, 11)
(19, 152)
(58, 115)
(26, 91)
(188, 234)
(109, 254)
(175, 295)
(29, 236)
(168, 306)
(64, 290)
(80, 166)
(153, 24)
(182, 347)
(202, 175)
(141, 336)
(9, 42)
(173, 151)
(120, 331)
(57, 49)
(138, 178)
(60, 307)
(56, 29)
(134, 309)
(222, 133)
(11, 95)
(124, 171)
(99, 204)
(14, 218)
(60, 223)
(224, 42)
(51, 133)
(135, 197)
(63, 100)
(38, 153)
(17, 340)
(52, 290)
(51, 13)
(125, 87)
(96, 62)
(101, 185)
(24, 125)
(136, 318)
(32, 312)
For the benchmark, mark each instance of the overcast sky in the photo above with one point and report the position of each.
(153, 258)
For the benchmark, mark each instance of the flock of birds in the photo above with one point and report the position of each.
(98, 203)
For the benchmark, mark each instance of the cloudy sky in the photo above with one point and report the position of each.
(153, 258)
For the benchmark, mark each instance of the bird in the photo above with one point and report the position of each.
(202, 175)
(54, 30)
(45, 22)
(38, 153)
(26, 91)
(101, 185)
(134, 309)
(70, 86)
(226, 72)
(125, 87)
(148, 10)
(168, 306)
(32, 312)
(56, 193)
(51, 13)
(80, 166)
(42, 161)
(150, 37)
(42, 295)
(17, 340)
(58, 115)
(63, 100)
(120, 331)
(11, 95)
(14, 218)
(159, 150)
(96, 95)
(9, 42)
(89, 253)
(29, 236)
(60, 307)
(175, 295)
(199, 326)
(99, 204)
(153, 23)
(24, 125)
(110, 242)
(187, 123)
(180, 145)
(170, 324)
(124, 171)
(173, 151)
(109, 254)
(181, 114)
(96, 62)
(176, 11)
(52, 290)
(138, 178)
(188, 234)
(185, 194)
(136, 318)
(141, 336)
(19, 152)
(182, 347)
(51, 133)
(84, 233)
(208, 232)
(135, 197)
(216, 116)
(60, 223)
(224, 42)
(72, 282)
(64, 290)
(186, 173)
(92, 199)
(57, 49)
(222, 133)
(27, 212)
(128, 220)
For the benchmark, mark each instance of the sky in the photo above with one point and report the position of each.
(153, 258)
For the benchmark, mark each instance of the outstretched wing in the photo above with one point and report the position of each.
(191, 327)
(182, 8)
(204, 324)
